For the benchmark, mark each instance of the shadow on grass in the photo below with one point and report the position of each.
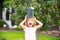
(2, 38)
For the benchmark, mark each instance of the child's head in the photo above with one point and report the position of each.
(30, 22)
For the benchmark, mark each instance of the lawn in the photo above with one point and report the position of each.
(20, 36)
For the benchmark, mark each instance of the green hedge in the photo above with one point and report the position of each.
(2, 23)
(19, 28)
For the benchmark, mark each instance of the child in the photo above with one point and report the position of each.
(29, 28)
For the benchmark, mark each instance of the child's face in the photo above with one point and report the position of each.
(30, 22)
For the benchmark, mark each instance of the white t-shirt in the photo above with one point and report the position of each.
(30, 33)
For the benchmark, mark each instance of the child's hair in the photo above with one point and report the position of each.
(33, 23)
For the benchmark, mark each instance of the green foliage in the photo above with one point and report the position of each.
(46, 11)
(20, 15)
(8, 3)
(19, 28)
(2, 23)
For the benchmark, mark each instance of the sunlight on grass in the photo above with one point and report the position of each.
(46, 37)
(12, 35)
(20, 36)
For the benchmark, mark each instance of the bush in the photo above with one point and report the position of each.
(45, 10)
(2, 23)
(19, 28)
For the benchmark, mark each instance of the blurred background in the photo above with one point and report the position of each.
(12, 12)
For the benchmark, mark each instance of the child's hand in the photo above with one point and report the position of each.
(25, 17)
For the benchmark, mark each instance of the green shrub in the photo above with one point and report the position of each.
(19, 28)
(2, 23)
(46, 11)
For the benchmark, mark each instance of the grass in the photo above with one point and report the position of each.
(20, 36)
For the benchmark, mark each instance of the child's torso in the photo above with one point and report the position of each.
(30, 33)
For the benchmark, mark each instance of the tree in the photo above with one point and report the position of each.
(46, 11)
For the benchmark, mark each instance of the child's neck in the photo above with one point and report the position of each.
(29, 27)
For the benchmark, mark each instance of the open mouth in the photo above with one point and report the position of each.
(30, 23)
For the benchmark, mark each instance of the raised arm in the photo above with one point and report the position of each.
(22, 23)
(39, 24)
